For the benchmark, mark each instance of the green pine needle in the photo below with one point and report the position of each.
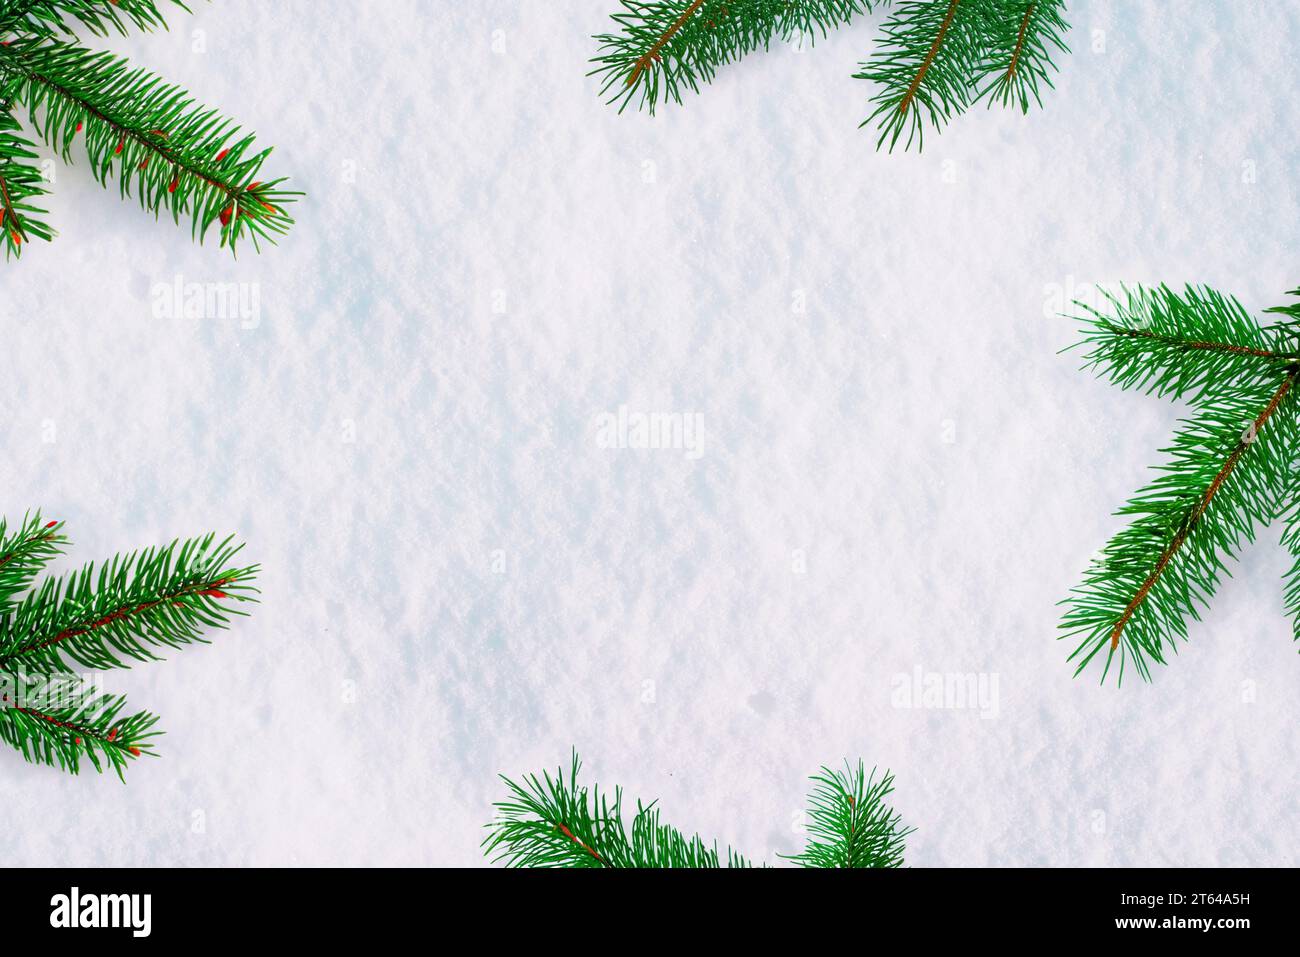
(1231, 467)
(63, 723)
(172, 154)
(21, 182)
(553, 822)
(663, 48)
(850, 824)
(1158, 342)
(935, 58)
(1022, 61)
(51, 17)
(129, 609)
(24, 552)
(1290, 519)
(925, 67)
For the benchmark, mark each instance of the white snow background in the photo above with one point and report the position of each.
(899, 471)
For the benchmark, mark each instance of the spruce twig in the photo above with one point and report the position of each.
(660, 49)
(54, 17)
(934, 58)
(21, 183)
(1231, 469)
(652, 55)
(850, 824)
(554, 822)
(1186, 526)
(163, 148)
(1028, 62)
(129, 609)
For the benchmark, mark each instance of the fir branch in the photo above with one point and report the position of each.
(662, 48)
(1181, 345)
(850, 825)
(1289, 513)
(51, 17)
(23, 553)
(175, 155)
(925, 65)
(552, 822)
(652, 55)
(1026, 63)
(1187, 525)
(20, 183)
(90, 727)
(940, 36)
(934, 55)
(161, 597)
(1290, 518)
(929, 65)
(1231, 468)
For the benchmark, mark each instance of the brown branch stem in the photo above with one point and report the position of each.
(929, 57)
(232, 193)
(569, 834)
(79, 732)
(1199, 511)
(652, 54)
(18, 548)
(118, 614)
(1020, 41)
(10, 215)
(1205, 345)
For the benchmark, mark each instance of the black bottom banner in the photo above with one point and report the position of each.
(340, 907)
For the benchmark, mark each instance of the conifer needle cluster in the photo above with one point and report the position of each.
(129, 609)
(1231, 468)
(555, 822)
(934, 58)
(171, 154)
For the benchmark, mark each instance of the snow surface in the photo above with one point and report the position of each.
(897, 471)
